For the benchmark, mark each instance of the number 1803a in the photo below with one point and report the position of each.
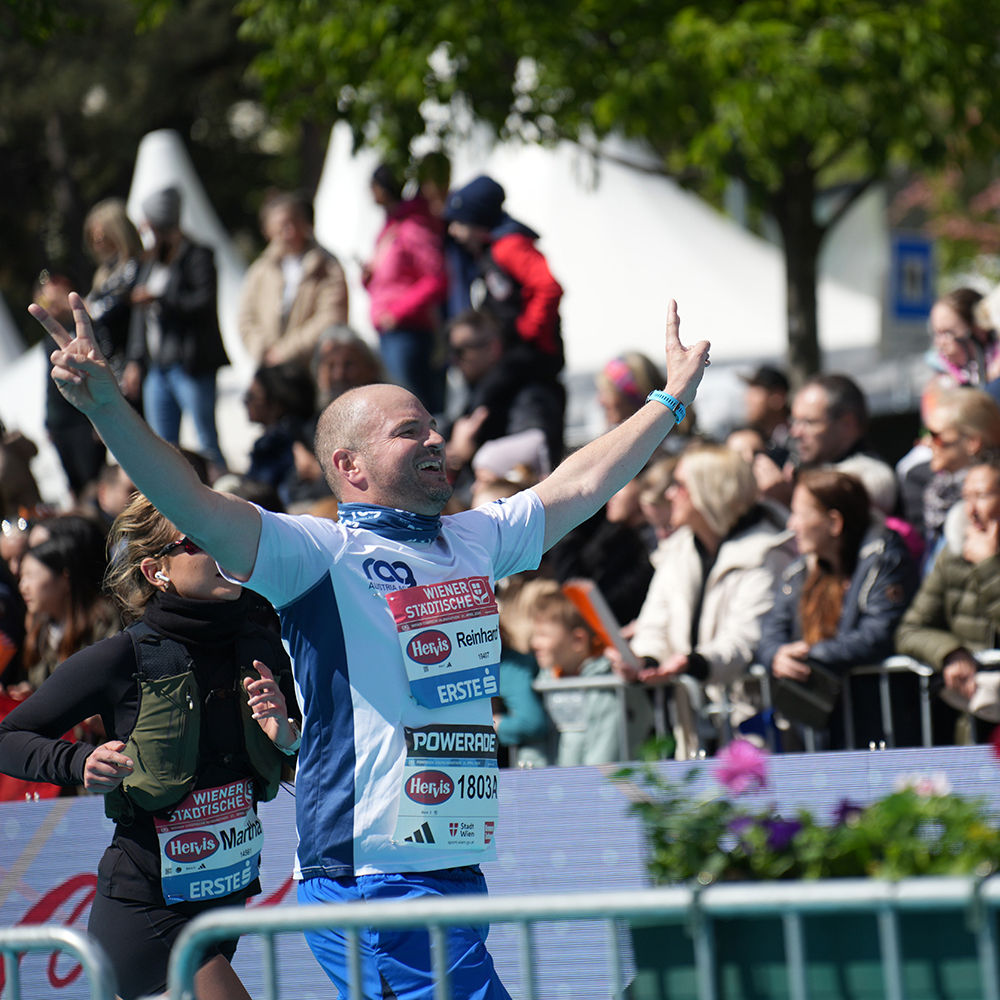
(477, 786)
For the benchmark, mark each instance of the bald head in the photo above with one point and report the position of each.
(348, 421)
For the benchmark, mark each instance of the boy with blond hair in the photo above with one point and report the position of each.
(589, 720)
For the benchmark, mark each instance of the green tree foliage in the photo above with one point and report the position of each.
(74, 107)
(794, 98)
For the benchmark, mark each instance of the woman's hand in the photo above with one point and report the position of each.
(269, 707)
(960, 673)
(789, 661)
(981, 542)
(663, 672)
(106, 768)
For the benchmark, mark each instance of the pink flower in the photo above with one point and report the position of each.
(741, 765)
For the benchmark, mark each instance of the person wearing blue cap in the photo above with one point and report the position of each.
(515, 285)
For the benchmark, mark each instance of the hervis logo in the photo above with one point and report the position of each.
(429, 647)
(191, 846)
(429, 788)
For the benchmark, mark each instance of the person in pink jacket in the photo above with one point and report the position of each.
(406, 284)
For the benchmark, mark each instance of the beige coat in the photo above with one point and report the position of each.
(321, 301)
(738, 593)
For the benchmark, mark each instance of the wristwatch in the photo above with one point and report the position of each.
(670, 402)
(298, 738)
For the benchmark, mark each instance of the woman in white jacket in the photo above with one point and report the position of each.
(702, 614)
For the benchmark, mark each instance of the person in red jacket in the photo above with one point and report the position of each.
(514, 283)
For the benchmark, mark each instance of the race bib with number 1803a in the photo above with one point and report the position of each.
(449, 634)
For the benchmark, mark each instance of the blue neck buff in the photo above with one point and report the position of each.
(397, 525)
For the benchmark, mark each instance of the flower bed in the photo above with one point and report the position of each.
(919, 828)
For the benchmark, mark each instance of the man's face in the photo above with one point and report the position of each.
(981, 493)
(403, 455)
(341, 367)
(286, 228)
(473, 238)
(473, 353)
(819, 438)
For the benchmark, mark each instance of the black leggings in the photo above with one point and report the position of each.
(138, 937)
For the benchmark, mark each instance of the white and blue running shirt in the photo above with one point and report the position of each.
(329, 584)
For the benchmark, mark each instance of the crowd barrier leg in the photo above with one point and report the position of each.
(15, 941)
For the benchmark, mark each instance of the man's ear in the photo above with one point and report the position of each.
(348, 465)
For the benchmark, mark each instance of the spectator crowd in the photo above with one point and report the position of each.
(738, 582)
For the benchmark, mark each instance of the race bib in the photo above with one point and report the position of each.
(210, 844)
(449, 794)
(449, 634)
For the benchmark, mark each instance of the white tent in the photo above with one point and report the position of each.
(161, 161)
(621, 242)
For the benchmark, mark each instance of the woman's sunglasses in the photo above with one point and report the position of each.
(184, 543)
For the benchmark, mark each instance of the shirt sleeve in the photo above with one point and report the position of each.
(293, 555)
(512, 529)
(91, 682)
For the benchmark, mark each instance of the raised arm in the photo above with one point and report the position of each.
(224, 526)
(586, 480)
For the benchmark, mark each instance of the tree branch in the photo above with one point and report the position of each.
(842, 209)
(656, 170)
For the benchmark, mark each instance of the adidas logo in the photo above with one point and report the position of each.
(421, 836)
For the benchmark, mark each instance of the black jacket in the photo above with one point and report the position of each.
(187, 313)
(882, 586)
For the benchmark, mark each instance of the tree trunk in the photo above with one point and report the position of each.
(793, 210)
(313, 142)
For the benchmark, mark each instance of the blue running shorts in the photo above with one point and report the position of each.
(400, 959)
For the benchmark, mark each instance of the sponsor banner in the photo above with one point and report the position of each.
(210, 843)
(450, 787)
(449, 635)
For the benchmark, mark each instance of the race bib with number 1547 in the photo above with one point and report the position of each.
(449, 634)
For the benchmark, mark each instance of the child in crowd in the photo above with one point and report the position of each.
(588, 720)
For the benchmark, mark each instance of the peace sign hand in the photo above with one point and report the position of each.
(79, 368)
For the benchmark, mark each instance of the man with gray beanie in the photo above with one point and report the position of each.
(175, 346)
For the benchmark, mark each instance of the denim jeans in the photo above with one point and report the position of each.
(409, 359)
(169, 392)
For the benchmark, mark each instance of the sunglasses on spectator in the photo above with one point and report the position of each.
(184, 543)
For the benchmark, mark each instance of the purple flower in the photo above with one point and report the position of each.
(741, 765)
(739, 826)
(780, 832)
(846, 811)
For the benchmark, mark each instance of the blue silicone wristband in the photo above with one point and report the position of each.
(670, 402)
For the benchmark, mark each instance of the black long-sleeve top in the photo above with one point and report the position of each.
(101, 680)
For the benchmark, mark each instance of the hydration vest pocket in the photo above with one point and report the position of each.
(164, 743)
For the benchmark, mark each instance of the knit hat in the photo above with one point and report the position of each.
(386, 179)
(162, 209)
(479, 203)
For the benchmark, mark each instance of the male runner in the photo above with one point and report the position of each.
(390, 619)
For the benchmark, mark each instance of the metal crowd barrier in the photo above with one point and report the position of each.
(695, 908)
(989, 658)
(543, 684)
(717, 714)
(15, 941)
